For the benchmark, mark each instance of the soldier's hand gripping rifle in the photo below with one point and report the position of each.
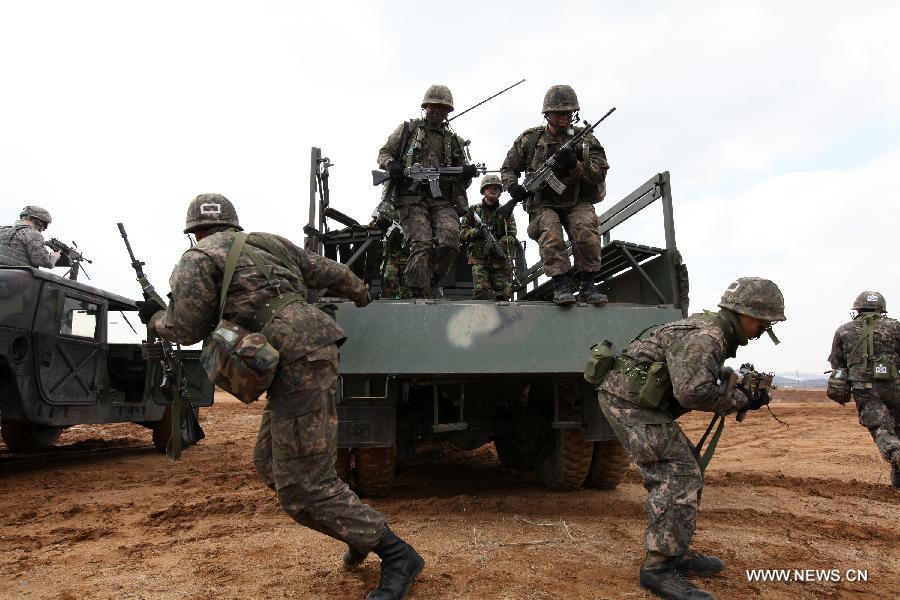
(493, 244)
(431, 175)
(74, 256)
(755, 385)
(544, 174)
(174, 384)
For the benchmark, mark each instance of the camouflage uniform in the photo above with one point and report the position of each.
(23, 245)
(694, 350)
(395, 254)
(431, 225)
(550, 213)
(490, 273)
(877, 401)
(297, 442)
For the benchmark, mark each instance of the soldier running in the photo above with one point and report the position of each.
(685, 358)
(584, 173)
(865, 355)
(430, 223)
(491, 275)
(21, 244)
(297, 443)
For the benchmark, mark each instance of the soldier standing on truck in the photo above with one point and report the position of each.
(584, 174)
(21, 244)
(297, 442)
(491, 275)
(674, 370)
(430, 222)
(865, 355)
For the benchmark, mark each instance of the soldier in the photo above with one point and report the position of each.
(867, 350)
(21, 244)
(584, 173)
(685, 357)
(395, 252)
(431, 224)
(491, 275)
(296, 446)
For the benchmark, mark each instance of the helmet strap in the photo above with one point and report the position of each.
(772, 335)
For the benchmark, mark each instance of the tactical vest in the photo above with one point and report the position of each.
(530, 149)
(12, 248)
(411, 140)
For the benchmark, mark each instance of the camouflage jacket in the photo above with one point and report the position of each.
(23, 245)
(298, 330)
(430, 147)
(585, 183)
(503, 229)
(848, 347)
(694, 350)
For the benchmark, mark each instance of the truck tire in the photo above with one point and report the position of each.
(608, 466)
(344, 467)
(375, 471)
(27, 437)
(565, 461)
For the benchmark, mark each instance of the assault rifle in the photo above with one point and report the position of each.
(74, 256)
(174, 384)
(544, 174)
(418, 173)
(493, 244)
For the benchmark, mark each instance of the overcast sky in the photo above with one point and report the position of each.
(778, 122)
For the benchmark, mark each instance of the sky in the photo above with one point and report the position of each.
(779, 123)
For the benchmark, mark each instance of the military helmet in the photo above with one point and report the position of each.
(490, 179)
(36, 212)
(209, 210)
(438, 94)
(560, 98)
(755, 297)
(870, 301)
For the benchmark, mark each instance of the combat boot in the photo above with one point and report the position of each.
(588, 292)
(417, 292)
(694, 563)
(659, 575)
(353, 557)
(895, 477)
(485, 295)
(400, 565)
(562, 292)
(437, 291)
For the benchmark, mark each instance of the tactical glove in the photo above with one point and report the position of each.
(146, 309)
(506, 210)
(397, 169)
(479, 234)
(760, 399)
(470, 171)
(565, 160)
(383, 223)
(517, 192)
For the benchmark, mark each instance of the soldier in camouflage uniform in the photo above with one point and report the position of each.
(870, 367)
(584, 173)
(691, 353)
(297, 443)
(395, 252)
(21, 244)
(431, 225)
(491, 276)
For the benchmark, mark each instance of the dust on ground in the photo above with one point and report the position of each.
(105, 516)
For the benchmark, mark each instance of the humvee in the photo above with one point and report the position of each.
(58, 367)
(473, 372)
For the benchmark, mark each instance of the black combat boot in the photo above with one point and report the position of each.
(895, 477)
(353, 557)
(562, 292)
(417, 292)
(659, 575)
(400, 565)
(588, 292)
(485, 295)
(694, 563)
(436, 290)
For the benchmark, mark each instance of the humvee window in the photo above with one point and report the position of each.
(79, 318)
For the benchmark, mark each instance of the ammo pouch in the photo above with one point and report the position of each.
(838, 387)
(599, 363)
(240, 361)
(649, 385)
(883, 368)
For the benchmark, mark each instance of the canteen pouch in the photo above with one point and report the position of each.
(599, 363)
(656, 386)
(239, 361)
(884, 369)
(838, 388)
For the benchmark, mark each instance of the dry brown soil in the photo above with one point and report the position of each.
(104, 516)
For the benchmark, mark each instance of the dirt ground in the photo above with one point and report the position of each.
(105, 516)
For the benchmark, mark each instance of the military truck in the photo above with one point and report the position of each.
(473, 372)
(58, 367)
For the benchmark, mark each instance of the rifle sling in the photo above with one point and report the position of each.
(704, 457)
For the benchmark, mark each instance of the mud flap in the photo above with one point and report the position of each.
(594, 425)
(366, 423)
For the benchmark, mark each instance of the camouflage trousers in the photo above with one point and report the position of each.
(878, 407)
(296, 450)
(664, 458)
(394, 279)
(498, 280)
(546, 225)
(432, 229)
